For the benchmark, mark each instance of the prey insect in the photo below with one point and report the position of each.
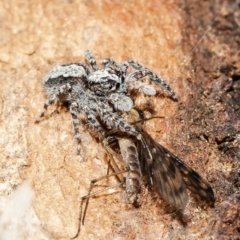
(168, 175)
(142, 158)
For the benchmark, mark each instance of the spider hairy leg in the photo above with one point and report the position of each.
(144, 71)
(54, 98)
(76, 124)
(91, 60)
(107, 62)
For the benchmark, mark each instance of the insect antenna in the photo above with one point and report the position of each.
(209, 28)
(185, 59)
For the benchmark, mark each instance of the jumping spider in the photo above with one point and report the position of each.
(101, 95)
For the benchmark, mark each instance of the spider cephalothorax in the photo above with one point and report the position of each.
(101, 95)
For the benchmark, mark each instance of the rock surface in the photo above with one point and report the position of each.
(203, 128)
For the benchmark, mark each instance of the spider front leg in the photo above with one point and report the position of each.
(107, 62)
(90, 60)
(121, 71)
(113, 120)
(49, 102)
(143, 72)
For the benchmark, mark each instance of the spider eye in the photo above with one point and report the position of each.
(113, 85)
(117, 85)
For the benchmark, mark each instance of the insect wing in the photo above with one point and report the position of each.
(159, 168)
(194, 182)
(168, 172)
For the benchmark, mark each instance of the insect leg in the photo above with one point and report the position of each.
(82, 214)
(128, 159)
(92, 120)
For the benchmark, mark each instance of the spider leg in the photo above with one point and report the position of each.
(143, 71)
(76, 123)
(123, 68)
(113, 120)
(107, 62)
(55, 98)
(49, 102)
(91, 60)
(92, 120)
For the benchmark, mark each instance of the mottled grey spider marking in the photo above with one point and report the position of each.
(99, 94)
(60, 80)
(73, 70)
(107, 62)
